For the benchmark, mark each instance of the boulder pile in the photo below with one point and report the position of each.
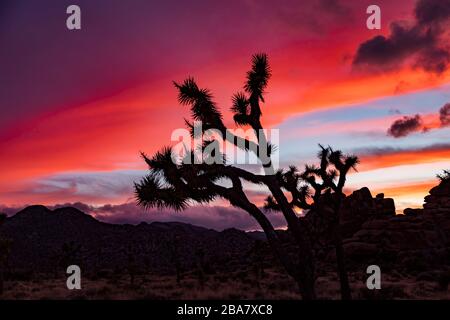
(415, 241)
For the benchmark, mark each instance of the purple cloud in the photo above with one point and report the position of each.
(405, 126)
(421, 43)
(444, 115)
(410, 124)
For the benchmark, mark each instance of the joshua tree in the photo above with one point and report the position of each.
(176, 184)
(327, 181)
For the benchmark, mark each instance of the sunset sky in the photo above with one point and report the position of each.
(78, 106)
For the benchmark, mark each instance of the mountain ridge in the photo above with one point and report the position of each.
(46, 240)
(39, 235)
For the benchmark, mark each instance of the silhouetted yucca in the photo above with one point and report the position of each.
(178, 185)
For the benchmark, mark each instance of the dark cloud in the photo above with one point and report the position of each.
(390, 150)
(214, 217)
(418, 43)
(444, 115)
(410, 124)
(386, 51)
(434, 60)
(405, 126)
(432, 11)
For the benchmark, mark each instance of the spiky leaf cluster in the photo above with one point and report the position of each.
(444, 176)
(174, 185)
(327, 177)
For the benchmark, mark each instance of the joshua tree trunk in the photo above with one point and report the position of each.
(303, 273)
(342, 270)
(340, 256)
(306, 269)
(305, 276)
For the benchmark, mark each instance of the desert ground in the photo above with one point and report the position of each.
(238, 285)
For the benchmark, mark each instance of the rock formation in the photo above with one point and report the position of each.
(416, 241)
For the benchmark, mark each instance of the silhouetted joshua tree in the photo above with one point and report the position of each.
(327, 182)
(176, 184)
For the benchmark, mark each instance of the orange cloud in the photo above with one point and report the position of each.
(420, 189)
(403, 157)
(408, 196)
(367, 87)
